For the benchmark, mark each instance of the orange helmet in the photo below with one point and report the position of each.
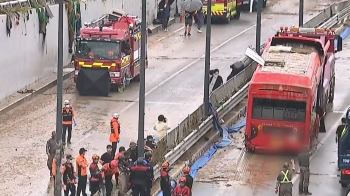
(165, 165)
(182, 179)
(186, 170)
(95, 157)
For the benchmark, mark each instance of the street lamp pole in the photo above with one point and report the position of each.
(207, 60)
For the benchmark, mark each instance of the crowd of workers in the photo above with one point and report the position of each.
(137, 171)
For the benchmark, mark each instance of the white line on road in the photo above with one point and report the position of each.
(175, 74)
(319, 145)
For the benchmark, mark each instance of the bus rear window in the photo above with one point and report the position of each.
(275, 109)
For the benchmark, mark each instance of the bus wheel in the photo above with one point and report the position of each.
(251, 150)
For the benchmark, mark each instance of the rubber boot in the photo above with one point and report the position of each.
(307, 192)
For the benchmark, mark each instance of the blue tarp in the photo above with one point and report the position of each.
(226, 141)
(343, 35)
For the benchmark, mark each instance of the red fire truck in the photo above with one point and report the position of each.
(112, 42)
(290, 90)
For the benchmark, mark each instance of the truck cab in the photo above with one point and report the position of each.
(224, 9)
(344, 151)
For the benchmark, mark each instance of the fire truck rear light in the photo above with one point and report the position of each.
(114, 74)
(346, 172)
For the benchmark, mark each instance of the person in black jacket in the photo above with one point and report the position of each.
(165, 184)
(215, 80)
(148, 158)
(139, 177)
(189, 178)
(133, 152)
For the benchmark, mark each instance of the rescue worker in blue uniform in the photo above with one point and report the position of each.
(139, 178)
(284, 186)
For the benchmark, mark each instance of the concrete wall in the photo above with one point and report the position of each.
(23, 57)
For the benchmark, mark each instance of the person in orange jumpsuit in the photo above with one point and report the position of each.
(82, 167)
(182, 189)
(115, 132)
(120, 153)
(108, 170)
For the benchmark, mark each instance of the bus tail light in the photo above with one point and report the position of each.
(345, 172)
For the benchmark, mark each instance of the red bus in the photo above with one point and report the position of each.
(288, 95)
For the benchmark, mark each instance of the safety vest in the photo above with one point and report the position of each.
(111, 123)
(343, 132)
(67, 115)
(285, 177)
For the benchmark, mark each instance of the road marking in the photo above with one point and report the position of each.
(320, 144)
(189, 65)
(172, 76)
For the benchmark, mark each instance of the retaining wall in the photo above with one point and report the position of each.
(25, 58)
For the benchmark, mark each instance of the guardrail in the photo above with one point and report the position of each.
(225, 98)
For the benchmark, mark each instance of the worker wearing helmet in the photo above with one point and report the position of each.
(96, 176)
(115, 132)
(139, 177)
(67, 121)
(189, 178)
(182, 189)
(165, 185)
(68, 178)
(284, 184)
(109, 169)
(148, 159)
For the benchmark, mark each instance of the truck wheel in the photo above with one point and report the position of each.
(238, 15)
(344, 185)
(122, 86)
(331, 95)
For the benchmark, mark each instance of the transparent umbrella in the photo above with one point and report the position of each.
(192, 5)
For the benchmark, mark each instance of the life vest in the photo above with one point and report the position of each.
(67, 116)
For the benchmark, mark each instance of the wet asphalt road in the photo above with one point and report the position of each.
(228, 175)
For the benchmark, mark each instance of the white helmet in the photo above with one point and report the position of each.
(115, 115)
(66, 102)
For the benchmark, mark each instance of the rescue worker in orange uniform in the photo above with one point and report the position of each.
(115, 132)
(109, 169)
(189, 178)
(96, 176)
(165, 185)
(67, 121)
(120, 153)
(182, 189)
(82, 167)
(68, 178)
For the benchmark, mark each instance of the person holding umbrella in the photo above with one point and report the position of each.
(190, 7)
